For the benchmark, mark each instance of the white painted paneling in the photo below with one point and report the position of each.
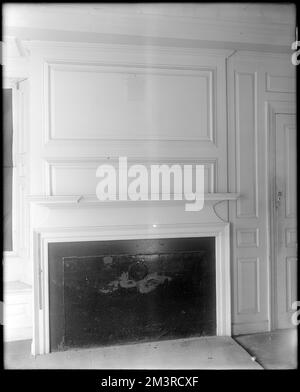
(113, 102)
(183, 93)
(280, 83)
(109, 101)
(285, 224)
(246, 142)
(248, 285)
(290, 165)
(247, 238)
(155, 94)
(67, 177)
(256, 83)
(93, 104)
(290, 237)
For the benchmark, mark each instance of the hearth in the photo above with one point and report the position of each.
(121, 291)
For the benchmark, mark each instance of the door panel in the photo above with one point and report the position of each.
(285, 219)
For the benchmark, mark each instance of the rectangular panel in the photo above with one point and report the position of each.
(7, 167)
(291, 282)
(246, 144)
(7, 221)
(280, 84)
(132, 103)
(79, 178)
(248, 285)
(8, 126)
(247, 238)
(290, 238)
(290, 174)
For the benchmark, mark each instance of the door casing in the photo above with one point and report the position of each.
(274, 109)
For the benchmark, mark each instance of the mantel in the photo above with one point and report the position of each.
(88, 201)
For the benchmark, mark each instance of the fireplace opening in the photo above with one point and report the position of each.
(127, 291)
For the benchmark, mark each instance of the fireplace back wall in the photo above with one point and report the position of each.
(113, 292)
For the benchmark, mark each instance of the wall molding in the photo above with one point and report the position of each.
(208, 73)
(271, 86)
(291, 237)
(242, 242)
(238, 119)
(52, 165)
(241, 262)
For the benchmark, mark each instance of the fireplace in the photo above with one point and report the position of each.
(125, 291)
(141, 256)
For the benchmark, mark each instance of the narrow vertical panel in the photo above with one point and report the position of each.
(248, 285)
(291, 282)
(290, 175)
(246, 143)
(7, 169)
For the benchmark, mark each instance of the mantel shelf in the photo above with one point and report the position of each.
(77, 200)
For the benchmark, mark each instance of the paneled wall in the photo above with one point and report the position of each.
(259, 87)
(91, 104)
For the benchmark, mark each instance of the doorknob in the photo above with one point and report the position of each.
(278, 199)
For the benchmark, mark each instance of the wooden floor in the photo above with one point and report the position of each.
(194, 353)
(273, 350)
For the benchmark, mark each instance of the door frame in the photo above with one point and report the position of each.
(273, 109)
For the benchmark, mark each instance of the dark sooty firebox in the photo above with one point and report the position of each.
(115, 292)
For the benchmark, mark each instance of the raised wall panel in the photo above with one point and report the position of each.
(79, 177)
(290, 172)
(247, 238)
(291, 281)
(246, 144)
(290, 238)
(101, 102)
(248, 285)
(280, 83)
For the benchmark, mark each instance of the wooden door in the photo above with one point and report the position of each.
(285, 219)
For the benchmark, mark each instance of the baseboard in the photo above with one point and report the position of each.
(245, 328)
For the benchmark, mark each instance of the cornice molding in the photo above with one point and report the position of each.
(263, 29)
(43, 48)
